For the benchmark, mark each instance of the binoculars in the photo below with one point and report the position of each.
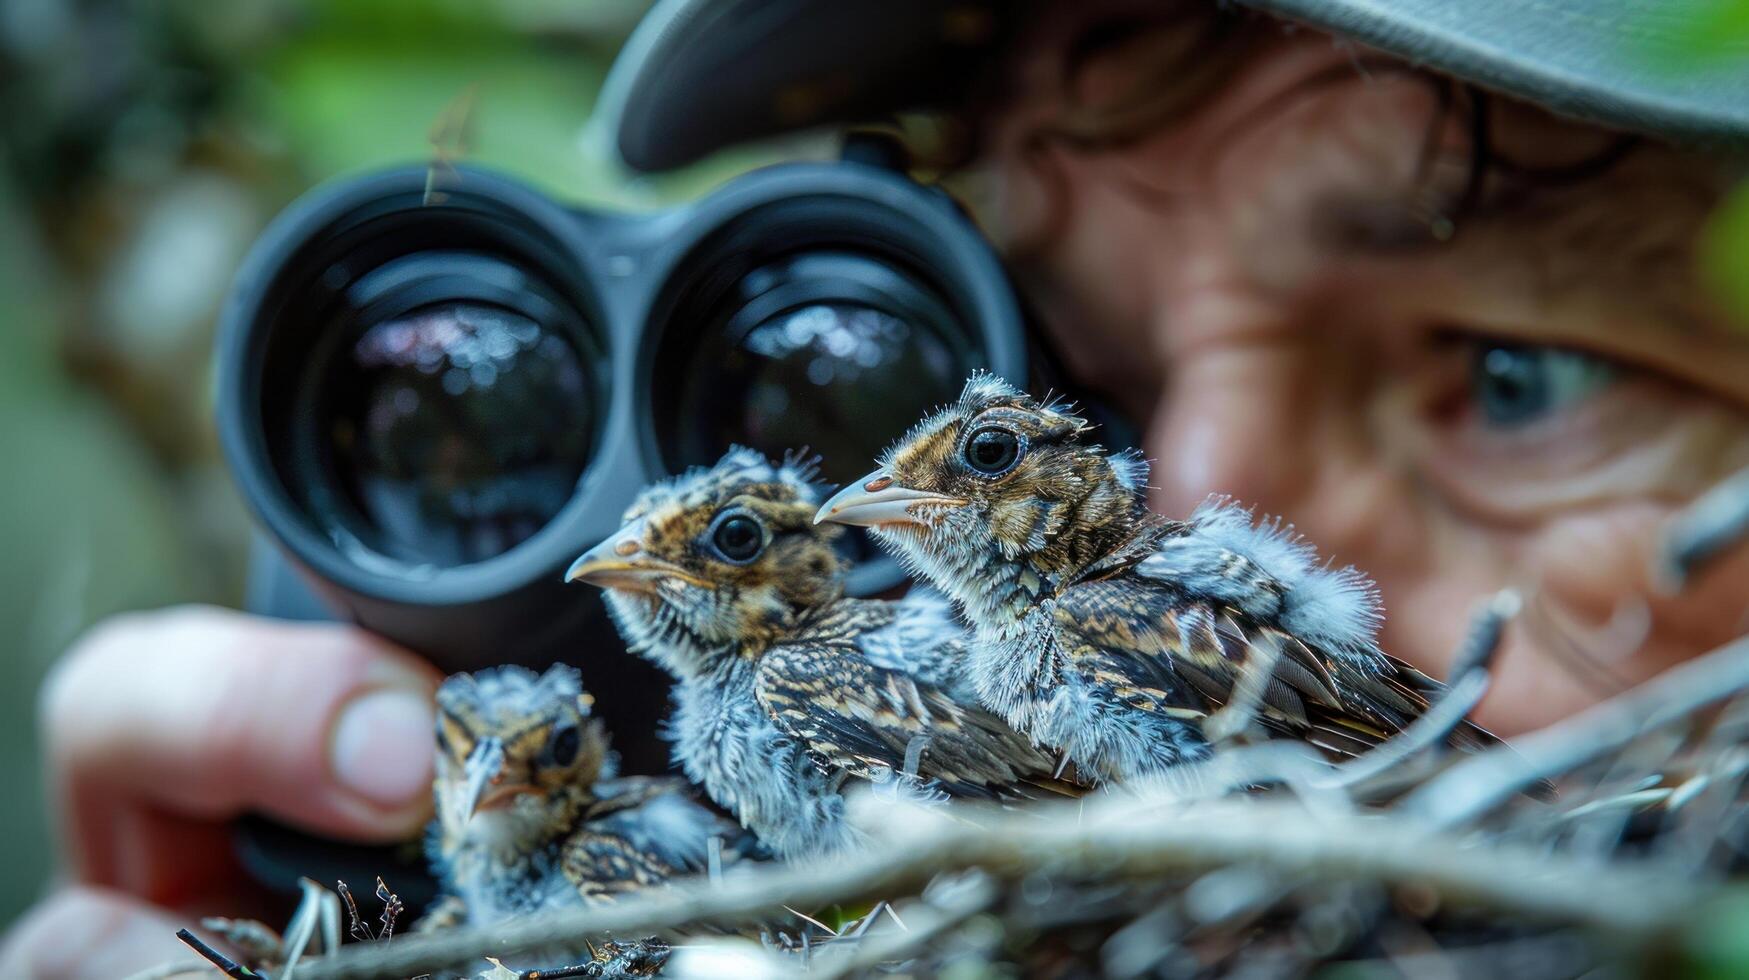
(434, 394)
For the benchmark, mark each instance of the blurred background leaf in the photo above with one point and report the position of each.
(1693, 37)
(1696, 33)
(1725, 254)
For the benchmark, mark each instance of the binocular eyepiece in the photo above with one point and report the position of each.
(435, 396)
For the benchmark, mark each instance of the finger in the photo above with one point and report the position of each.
(204, 714)
(89, 934)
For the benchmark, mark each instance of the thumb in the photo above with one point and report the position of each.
(206, 714)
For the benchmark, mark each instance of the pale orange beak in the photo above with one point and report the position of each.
(621, 562)
(877, 500)
(501, 796)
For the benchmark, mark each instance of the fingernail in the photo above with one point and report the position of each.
(382, 747)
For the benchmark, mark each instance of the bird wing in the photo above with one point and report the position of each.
(854, 716)
(660, 818)
(603, 866)
(918, 635)
(1157, 649)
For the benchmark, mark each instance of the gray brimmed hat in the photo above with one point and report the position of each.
(698, 75)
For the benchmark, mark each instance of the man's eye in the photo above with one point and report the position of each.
(1515, 386)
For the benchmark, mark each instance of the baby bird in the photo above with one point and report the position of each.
(786, 688)
(529, 816)
(1106, 631)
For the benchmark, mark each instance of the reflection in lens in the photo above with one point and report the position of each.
(457, 431)
(841, 378)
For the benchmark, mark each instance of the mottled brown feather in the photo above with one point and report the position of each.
(855, 716)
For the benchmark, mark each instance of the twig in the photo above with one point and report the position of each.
(329, 920)
(1622, 901)
(256, 940)
(1425, 732)
(1234, 720)
(968, 900)
(391, 909)
(1487, 627)
(449, 137)
(225, 964)
(303, 926)
(1705, 529)
(808, 918)
(354, 924)
(562, 973)
(1481, 782)
(1630, 802)
(867, 920)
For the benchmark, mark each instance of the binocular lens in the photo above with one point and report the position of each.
(457, 430)
(840, 378)
(834, 350)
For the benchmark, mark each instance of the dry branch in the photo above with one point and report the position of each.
(1482, 782)
(1705, 529)
(1117, 837)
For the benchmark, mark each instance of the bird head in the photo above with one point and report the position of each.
(716, 561)
(517, 752)
(997, 482)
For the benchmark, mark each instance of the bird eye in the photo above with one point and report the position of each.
(737, 538)
(992, 452)
(563, 744)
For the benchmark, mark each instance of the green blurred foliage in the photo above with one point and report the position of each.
(1694, 36)
(365, 86)
(1716, 946)
(1725, 254)
(1697, 33)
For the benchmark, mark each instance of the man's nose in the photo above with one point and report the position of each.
(1240, 411)
(1226, 424)
(1278, 413)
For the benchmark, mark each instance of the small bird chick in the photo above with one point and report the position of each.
(529, 814)
(785, 688)
(1107, 631)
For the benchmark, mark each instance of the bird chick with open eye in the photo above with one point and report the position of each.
(1106, 631)
(529, 814)
(786, 688)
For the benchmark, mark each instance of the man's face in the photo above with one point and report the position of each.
(1454, 395)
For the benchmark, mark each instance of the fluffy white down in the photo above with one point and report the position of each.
(673, 828)
(725, 742)
(1337, 609)
(925, 640)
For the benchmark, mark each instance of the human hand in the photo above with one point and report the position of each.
(160, 728)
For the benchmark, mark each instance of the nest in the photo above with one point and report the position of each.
(1265, 861)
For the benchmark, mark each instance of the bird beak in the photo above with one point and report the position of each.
(877, 500)
(484, 764)
(620, 562)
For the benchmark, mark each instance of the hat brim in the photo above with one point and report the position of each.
(699, 75)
